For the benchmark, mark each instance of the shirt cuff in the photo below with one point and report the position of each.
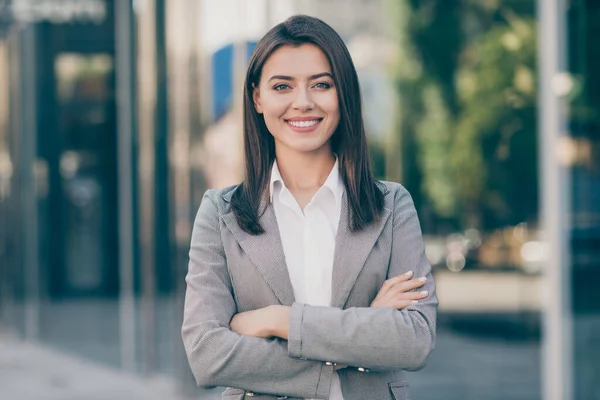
(295, 333)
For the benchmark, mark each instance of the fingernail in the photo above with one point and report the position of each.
(408, 273)
(423, 279)
(415, 301)
(424, 292)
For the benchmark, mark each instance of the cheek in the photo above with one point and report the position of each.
(273, 107)
(272, 113)
(334, 114)
(331, 106)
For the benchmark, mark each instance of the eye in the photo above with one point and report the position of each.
(281, 87)
(322, 85)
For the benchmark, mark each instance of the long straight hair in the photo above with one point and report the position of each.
(349, 142)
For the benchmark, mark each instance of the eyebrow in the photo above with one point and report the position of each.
(289, 78)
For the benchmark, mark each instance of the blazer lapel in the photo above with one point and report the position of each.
(351, 252)
(265, 251)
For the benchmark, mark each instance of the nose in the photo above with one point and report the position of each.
(303, 100)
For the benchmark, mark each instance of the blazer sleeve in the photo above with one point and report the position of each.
(219, 356)
(375, 338)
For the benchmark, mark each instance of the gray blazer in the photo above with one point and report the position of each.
(231, 271)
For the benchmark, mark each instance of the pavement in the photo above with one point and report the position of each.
(469, 365)
(30, 371)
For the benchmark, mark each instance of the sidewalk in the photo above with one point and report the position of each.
(30, 371)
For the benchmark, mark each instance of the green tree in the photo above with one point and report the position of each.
(465, 78)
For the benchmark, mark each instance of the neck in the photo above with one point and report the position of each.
(304, 171)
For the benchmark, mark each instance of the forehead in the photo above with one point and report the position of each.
(296, 61)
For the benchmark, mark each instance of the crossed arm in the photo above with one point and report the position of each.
(278, 321)
(250, 350)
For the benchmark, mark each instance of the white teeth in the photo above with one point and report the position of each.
(303, 124)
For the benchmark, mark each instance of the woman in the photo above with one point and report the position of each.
(303, 280)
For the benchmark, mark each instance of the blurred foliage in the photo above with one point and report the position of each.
(465, 77)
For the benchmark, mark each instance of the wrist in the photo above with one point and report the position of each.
(281, 322)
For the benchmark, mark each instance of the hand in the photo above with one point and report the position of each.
(395, 292)
(263, 322)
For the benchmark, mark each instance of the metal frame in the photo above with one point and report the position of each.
(29, 210)
(146, 67)
(557, 359)
(125, 124)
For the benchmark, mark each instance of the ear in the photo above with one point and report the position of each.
(256, 99)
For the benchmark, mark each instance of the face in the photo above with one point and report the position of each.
(298, 99)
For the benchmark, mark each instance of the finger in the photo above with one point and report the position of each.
(410, 285)
(412, 295)
(400, 304)
(391, 299)
(388, 284)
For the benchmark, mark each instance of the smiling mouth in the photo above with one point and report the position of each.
(304, 124)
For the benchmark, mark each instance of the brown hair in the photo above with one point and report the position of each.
(349, 142)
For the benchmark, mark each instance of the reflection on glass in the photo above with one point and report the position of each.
(84, 96)
(6, 167)
(584, 161)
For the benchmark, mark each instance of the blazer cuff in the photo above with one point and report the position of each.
(295, 333)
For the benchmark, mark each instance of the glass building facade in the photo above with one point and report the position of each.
(116, 116)
(582, 139)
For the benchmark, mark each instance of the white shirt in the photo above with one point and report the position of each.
(308, 240)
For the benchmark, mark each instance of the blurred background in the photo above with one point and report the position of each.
(117, 115)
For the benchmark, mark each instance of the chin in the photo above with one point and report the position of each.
(302, 144)
(308, 148)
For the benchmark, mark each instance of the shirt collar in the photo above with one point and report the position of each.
(275, 177)
(333, 182)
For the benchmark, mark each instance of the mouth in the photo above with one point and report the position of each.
(304, 125)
